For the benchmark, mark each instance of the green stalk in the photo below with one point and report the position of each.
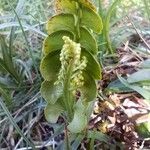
(68, 101)
(107, 26)
(101, 38)
(67, 143)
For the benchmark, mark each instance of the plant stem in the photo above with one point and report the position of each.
(107, 26)
(68, 101)
(67, 138)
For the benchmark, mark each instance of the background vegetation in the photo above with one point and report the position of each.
(124, 53)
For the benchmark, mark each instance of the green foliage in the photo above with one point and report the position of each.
(107, 18)
(51, 92)
(141, 76)
(6, 61)
(52, 112)
(141, 90)
(2, 104)
(50, 67)
(17, 65)
(61, 22)
(69, 64)
(78, 124)
(143, 129)
(140, 80)
(51, 44)
(107, 26)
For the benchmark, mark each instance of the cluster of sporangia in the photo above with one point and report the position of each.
(69, 63)
(71, 53)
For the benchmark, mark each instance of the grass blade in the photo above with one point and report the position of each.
(107, 26)
(19, 9)
(2, 104)
(7, 62)
(77, 142)
(26, 40)
(26, 26)
(145, 93)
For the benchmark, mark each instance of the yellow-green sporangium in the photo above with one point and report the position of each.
(71, 55)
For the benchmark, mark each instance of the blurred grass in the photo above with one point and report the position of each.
(22, 28)
(20, 65)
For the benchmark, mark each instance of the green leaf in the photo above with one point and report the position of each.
(79, 121)
(25, 38)
(68, 6)
(117, 86)
(61, 22)
(91, 20)
(7, 63)
(51, 92)
(3, 67)
(7, 97)
(54, 41)
(145, 93)
(88, 90)
(50, 66)
(89, 109)
(143, 129)
(52, 112)
(99, 136)
(93, 67)
(139, 76)
(88, 4)
(145, 64)
(106, 29)
(88, 41)
(65, 6)
(6, 83)
(77, 141)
